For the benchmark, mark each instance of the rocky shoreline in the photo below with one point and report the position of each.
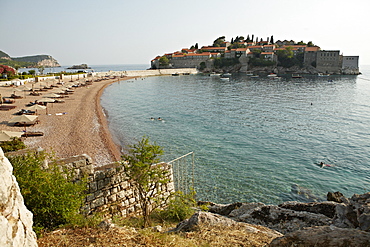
(307, 70)
(339, 221)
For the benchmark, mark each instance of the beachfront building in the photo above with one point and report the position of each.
(329, 61)
(350, 65)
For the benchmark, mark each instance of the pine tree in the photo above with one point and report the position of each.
(272, 39)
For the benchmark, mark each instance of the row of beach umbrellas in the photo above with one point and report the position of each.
(27, 119)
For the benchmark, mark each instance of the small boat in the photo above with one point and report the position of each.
(214, 74)
(175, 74)
(321, 74)
(272, 75)
(226, 74)
(296, 76)
(255, 76)
(225, 78)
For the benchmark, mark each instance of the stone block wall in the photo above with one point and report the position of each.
(109, 191)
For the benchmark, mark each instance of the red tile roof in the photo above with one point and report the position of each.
(313, 48)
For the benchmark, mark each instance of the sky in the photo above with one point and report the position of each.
(99, 32)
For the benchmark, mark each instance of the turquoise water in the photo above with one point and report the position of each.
(253, 138)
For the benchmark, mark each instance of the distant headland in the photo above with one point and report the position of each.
(253, 55)
(28, 61)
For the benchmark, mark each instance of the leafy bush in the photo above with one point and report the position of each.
(48, 192)
(13, 145)
(224, 62)
(180, 207)
(260, 62)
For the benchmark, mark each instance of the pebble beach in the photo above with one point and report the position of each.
(76, 126)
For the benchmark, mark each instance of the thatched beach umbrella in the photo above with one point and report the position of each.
(52, 95)
(37, 107)
(46, 100)
(24, 120)
(9, 135)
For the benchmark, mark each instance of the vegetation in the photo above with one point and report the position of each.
(16, 64)
(224, 62)
(163, 61)
(180, 207)
(48, 192)
(219, 42)
(146, 176)
(260, 62)
(287, 59)
(6, 71)
(13, 145)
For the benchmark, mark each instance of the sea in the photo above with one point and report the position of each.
(254, 139)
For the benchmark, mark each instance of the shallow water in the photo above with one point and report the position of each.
(253, 138)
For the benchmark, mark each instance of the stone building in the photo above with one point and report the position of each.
(310, 55)
(329, 61)
(350, 65)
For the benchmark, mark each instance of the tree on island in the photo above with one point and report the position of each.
(310, 44)
(219, 42)
(163, 61)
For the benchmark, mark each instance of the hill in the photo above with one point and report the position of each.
(28, 61)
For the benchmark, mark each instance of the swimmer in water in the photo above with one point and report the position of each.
(152, 118)
(159, 119)
(323, 165)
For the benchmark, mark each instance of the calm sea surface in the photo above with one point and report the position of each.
(255, 139)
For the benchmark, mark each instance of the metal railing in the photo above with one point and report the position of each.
(183, 172)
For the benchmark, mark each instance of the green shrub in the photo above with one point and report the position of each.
(180, 207)
(48, 192)
(13, 145)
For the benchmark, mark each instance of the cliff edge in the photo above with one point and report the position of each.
(15, 219)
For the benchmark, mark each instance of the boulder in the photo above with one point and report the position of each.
(205, 219)
(15, 219)
(325, 208)
(335, 197)
(328, 236)
(354, 212)
(223, 209)
(283, 220)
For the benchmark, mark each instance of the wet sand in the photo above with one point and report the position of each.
(75, 127)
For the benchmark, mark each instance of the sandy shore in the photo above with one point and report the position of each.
(83, 129)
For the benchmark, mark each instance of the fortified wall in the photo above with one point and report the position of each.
(109, 190)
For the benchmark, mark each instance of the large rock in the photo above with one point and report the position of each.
(207, 219)
(282, 219)
(354, 213)
(328, 236)
(15, 219)
(325, 208)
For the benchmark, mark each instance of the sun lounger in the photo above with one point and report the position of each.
(32, 133)
(7, 107)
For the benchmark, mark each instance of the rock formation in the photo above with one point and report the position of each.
(15, 218)
(339, 221)
(328, 236)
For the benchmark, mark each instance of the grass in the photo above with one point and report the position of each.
(128, 236)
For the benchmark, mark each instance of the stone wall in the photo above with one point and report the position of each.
(109, 191)
(15, 219)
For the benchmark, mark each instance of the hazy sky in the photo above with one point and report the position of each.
(100, 32)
